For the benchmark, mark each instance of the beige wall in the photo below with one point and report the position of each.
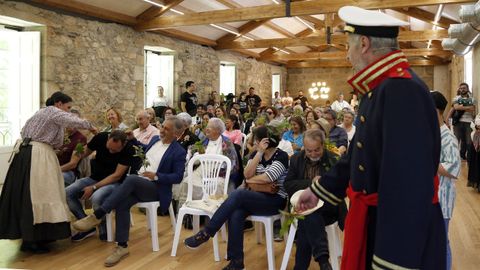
(336, 79)
(102, 64)
(476, 75)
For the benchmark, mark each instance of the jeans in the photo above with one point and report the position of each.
(449, 251)
(240, 204)
(462, 131)
(74, 193)
(69, 178)
(311, 240)
(133, 189)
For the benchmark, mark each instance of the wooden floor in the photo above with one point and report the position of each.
(90, 254)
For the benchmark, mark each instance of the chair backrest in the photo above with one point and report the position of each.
(210, 167)
(244, 144)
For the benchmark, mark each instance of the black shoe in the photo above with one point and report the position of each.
(325, 266)
(33, 247)
(83, 235)
(234, 265)
(248, 226)
(195, 241)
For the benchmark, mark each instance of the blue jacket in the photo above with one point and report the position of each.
(169, 172)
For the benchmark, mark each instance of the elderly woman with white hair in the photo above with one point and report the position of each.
(187, 138)
(215, 143)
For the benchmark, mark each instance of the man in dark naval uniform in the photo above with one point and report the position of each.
(389, 173)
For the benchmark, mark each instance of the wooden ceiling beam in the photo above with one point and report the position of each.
(155, 11)
(343, 55)
(425, 16)
(321, 40)
(187, 37)
(278, 11)
(345, 63)
(89, 10)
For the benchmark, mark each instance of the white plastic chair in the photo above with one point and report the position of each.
(210, 166)
(151, 212)
(244, 144)
(334, 245)
(268, 224)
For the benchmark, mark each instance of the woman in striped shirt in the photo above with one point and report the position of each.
(267, 164)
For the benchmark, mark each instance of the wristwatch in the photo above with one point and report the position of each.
(155, 178)
(94, 187)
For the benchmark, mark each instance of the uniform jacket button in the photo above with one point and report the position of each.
(362, 119)
(359, 145)
(361, 168)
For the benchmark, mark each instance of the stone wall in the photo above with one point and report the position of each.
(102, 64)
(476, 78)
(336, 78)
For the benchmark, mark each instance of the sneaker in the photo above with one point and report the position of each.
(277, 237)
(118, 254)
(195, 241)
(86, 223)
(234, 265)
(248, 226)
(83, 235)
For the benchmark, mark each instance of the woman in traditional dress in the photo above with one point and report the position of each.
(33, 206)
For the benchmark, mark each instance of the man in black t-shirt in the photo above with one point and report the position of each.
(188, 100)
(253, 100)
(114, 155)
(301, 99)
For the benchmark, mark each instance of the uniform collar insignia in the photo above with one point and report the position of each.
(392, 65)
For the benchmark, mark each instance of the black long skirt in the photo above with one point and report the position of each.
(473, 158)
(16, 215)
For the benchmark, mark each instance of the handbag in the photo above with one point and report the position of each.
(270, 187)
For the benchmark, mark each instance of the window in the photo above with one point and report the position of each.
(19, 81)
(158, 72)
(227, 78)
(275, 84)
(468, 69)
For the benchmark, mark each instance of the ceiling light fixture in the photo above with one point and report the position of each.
(305, 23)
(278, 49)
(438, 15)
(176, 11)
(225, 29)
(247, 37)
(276, 2)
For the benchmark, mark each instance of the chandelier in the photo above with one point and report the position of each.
(319, 90)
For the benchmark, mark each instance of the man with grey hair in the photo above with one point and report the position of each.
(154, 183)
(186, 137)
(145, 131)
(390, 171)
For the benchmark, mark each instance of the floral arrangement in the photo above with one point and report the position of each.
(79, 149)
(141, 154)
(198, 147)
(289, 219)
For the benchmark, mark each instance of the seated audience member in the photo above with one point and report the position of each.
(213, 99)
(168, 112)
(310, 117)
(114, 155)
(306, 166)
(338, 136)
(145, 131)
(186, 138)
(114, 119)
(274, 117)
(65, 152)
(154, 183)
(295, 134)
(215, 143)
(220, 113)
(154, 121)
(211, 109)
(268, 164)
(340, 104)
(197, 119)
(199, 129)
(347, 124)
(232, 130)
(160, 102)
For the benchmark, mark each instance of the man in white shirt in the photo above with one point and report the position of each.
(145, 131)
(340, 103)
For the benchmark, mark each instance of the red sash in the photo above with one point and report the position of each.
(355, 246)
